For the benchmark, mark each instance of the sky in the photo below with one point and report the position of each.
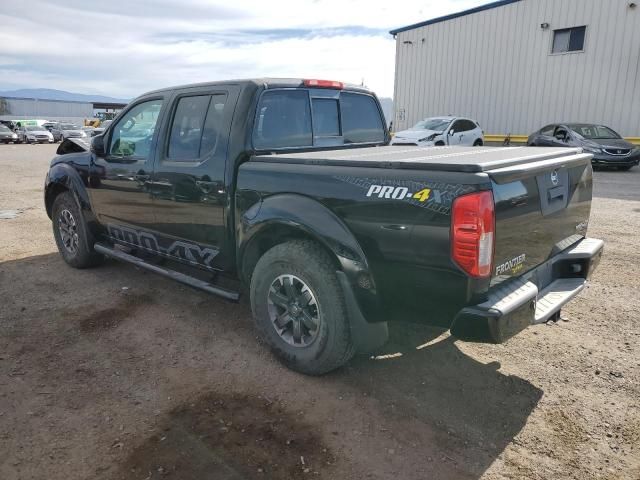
(123, 48)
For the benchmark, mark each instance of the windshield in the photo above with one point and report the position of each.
(594, 132)
(69, 126)
(36, 129)
(436, 124)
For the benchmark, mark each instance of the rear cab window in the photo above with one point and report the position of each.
(312, 118)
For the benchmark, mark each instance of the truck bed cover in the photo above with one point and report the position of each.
(452, 159)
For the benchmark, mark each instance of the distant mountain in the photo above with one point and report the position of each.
(51, 94)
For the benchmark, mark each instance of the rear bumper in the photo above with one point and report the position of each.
(533, 298)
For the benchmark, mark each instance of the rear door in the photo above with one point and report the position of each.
(188, 180)
(456, 133)
(468, 132)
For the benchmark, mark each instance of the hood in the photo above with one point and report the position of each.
(72, 145)
(608, 142)
(44, 131)
(415, 134)
(72, 130)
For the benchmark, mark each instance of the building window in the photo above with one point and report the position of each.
(568, 40)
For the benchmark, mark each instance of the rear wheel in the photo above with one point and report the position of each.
(299, 308)
(73, 238)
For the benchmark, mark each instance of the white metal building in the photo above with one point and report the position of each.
(32, 108)
(517, 65)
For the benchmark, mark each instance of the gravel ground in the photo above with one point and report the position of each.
(114, 373)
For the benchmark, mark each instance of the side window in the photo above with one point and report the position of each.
(131, 136)
(326, 121)
(283, 119)
(457, 127)
(468, 125)
(548, 130)
(195, 127)
(361, 121)
(213, 126)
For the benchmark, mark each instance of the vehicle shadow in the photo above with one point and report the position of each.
(475, 410)
(452, 415)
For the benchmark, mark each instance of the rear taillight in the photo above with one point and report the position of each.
(323, 84)
(472, 233)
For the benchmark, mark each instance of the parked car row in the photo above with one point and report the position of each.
(607, 146)
(49, 132)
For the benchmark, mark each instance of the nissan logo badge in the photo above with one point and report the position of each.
(554, 177)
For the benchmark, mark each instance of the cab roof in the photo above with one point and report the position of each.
(266, 82)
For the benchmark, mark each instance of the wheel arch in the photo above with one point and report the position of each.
(285, 217)
(63, 178)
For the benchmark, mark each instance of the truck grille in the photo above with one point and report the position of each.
(617, 151)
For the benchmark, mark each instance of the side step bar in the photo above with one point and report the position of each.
(180, 277)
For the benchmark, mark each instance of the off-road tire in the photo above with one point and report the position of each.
(83, 256)
(333, 345)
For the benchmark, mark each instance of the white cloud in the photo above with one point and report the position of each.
(123, 48)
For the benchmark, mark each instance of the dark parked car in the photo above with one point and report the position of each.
(7, 135)
(285, 190)
(608, 148)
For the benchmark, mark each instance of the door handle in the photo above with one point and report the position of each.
(141, 176)
(205, 186)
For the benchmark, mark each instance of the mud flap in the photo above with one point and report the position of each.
(367, 337)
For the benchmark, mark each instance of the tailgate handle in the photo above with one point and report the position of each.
(555, 193)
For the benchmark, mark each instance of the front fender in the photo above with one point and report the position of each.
(293, 212)
(72, 177)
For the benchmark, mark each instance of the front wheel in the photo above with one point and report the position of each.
(73, 238)
(477, 143)
(299, 308)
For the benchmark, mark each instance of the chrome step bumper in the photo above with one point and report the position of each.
(515, 304)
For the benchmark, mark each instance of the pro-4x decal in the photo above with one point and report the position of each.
(435, 196)
(178, 249)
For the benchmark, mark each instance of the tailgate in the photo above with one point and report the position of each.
(542, 208)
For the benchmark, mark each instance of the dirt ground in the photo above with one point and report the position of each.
(114, 373)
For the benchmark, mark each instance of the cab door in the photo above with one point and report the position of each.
(188, 184)
(120, 176)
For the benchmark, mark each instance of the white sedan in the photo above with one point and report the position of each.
(440, 131)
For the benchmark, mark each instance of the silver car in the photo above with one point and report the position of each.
(34, 134)
(68, 130)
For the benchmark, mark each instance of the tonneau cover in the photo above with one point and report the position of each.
(453, 159)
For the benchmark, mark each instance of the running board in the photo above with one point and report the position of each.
(180, 277)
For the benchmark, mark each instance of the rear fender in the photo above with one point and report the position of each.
(302, 216)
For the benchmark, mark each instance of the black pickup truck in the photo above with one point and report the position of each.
(288, 189)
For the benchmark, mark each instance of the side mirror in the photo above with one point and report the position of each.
(452, 132)
(97, 145)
